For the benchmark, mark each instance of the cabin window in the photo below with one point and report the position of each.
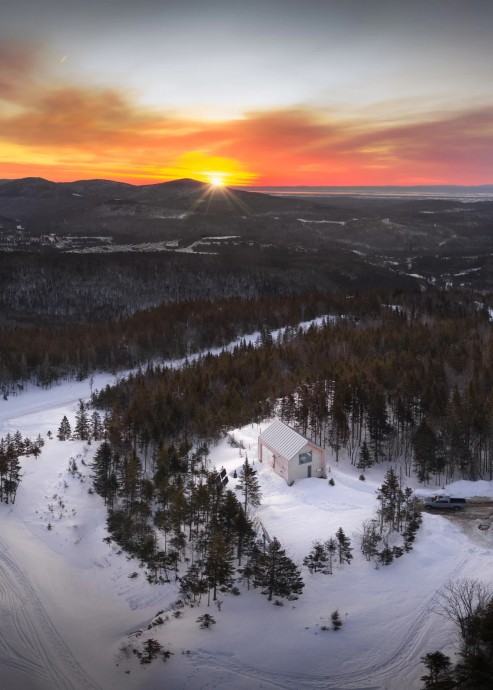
(305, 457)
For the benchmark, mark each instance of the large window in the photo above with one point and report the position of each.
(305, 457)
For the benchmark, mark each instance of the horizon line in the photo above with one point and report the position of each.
(254, 187)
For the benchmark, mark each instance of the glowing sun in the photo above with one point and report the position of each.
(217, 181)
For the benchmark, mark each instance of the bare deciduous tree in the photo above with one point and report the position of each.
(459, 600)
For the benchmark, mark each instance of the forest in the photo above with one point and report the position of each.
(412, 382)
(43, 354)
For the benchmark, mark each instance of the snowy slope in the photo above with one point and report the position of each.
(68, 604)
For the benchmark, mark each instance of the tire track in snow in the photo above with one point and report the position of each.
(29, 643)
(229, 665)
(405, 653)
(372, 677)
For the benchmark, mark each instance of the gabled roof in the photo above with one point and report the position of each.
(282, 439)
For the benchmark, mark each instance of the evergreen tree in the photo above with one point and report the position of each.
(425, 446)
(391, 500)
(206, 621)
(364, 459)
(378, 426)
(317, 559)
(336, 620)
(18, 443)
(193, 584)
(249, 486)
(386, 555)
(82, 430)
(339, 428)
(3, 468)
(36, 447)
(276, 573)
(103, 473)
(64, 430)
(12, 477)
(439, 669)
(370, 539)
(244, 533)
(218, 567)
(344, 549)
(96, 426)
(331, 550)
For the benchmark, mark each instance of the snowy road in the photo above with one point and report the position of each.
(32, 654)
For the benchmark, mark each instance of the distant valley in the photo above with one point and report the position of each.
(188, 240)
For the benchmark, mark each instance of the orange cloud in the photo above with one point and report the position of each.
(65, 131)
(17, 63)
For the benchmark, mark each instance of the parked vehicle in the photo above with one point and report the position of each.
(445, 502)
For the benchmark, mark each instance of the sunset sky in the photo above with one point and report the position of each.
(253, 92)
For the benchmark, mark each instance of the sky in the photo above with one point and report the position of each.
(248, 92)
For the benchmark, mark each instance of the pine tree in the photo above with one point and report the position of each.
(276, 573)
(244, 533)
(364, 460)
(249, 486)
(336, 620)
(206, 621)
(193, 584)
(331, 550)
(218, 567)
(18, 443)
(82, 429)
(425, 447)
(386, 555)
(36, 447)
(370, 539)
(3, 465)
(317, 559)
(339, 428)
(439, 669)
(343, 547)
(64, 430)
(391, 500)
(13, 478)
(103, 473)
(96, 426)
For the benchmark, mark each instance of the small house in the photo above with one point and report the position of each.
(290, 454)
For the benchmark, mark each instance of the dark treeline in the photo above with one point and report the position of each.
(414, 384)
(82, 288)
(12, 447)
(173, 330)
(48, 287)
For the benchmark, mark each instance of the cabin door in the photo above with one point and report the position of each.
(309, 471)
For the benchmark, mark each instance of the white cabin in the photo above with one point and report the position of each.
(290, 454)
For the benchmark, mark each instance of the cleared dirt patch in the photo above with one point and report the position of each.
(476, 520)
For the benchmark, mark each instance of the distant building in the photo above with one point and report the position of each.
(290, 454)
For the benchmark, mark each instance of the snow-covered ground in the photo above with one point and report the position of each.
(68, 605)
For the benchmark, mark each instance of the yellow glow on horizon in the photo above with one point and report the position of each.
(17, 153)
(215, 170)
